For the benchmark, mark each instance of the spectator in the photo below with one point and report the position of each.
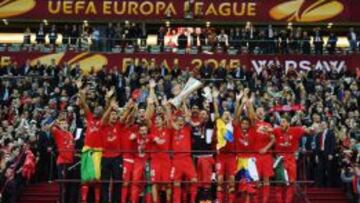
(161, 37)
(27, 36)
(66, 35)
(331, 44)
(40, 34)
(353, 39)
(318, 41)
(74, 35)
(110, 36)
(182, 41)
(95, 39)
(325, 157)
(118, 34)
(223, 39)
(305, 43)
(53, 35)
(270, 37)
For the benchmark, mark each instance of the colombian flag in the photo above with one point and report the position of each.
(225, 132)
(247, 174)
(90, 164)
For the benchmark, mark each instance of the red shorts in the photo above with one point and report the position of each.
(138, 170)
(264, 164)
(290, 166)
(183, 168)
(160, 170)
(204, 167)
(128, 166)
(226, 165)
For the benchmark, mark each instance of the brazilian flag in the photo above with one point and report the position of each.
(90, 164)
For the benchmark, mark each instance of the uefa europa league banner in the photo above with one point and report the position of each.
(220, 10)
(258, 63)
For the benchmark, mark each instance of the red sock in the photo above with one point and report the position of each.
(193, 193)
(255, 197)
(278, 194)
(231, 197)
(97, 193)
(220, 196)
(135, 192)
(84, 192)
(177, 195)
(289, 194)
(266, 193)
(124, 194)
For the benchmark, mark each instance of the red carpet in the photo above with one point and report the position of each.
(40, 193)
(49, 192)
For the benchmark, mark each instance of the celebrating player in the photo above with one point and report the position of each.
(287, 143)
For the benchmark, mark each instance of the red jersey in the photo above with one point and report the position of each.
(126, 144)
(245, 142)
(181, 142)
(262, 139)
(111, 140)
(163, 149)
(65, 143)
(142, 146)
(288, 141)
(93, 132)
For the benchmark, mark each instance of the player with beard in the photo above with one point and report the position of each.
(64, 141)
(183, 166)
(286, 145)
(111, 161)
(265, 140)
(245, 141)
(225, 158)
(202, 132)
(93, 139)
(142, 140)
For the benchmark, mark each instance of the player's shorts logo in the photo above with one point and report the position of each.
(303, 11)
(9, 8)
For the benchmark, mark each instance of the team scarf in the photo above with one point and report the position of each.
(224, 132)
(287, 108)
(90, 164)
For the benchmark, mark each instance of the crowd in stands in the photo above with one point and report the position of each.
(328, 99)
(241, 39)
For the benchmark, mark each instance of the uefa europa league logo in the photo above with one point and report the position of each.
(302, 11)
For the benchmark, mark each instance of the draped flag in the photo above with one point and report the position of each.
(247, 174)
(90, 164)
(281, 174)
(225, 132)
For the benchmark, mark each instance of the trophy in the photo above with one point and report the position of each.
(191, 85)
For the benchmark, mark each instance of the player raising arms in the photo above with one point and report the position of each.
(287, 143)
(245, 141)
(183, 166)
(111, 161)
(93, 139)
(226, 156)
(265, 140)
(160, 141)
